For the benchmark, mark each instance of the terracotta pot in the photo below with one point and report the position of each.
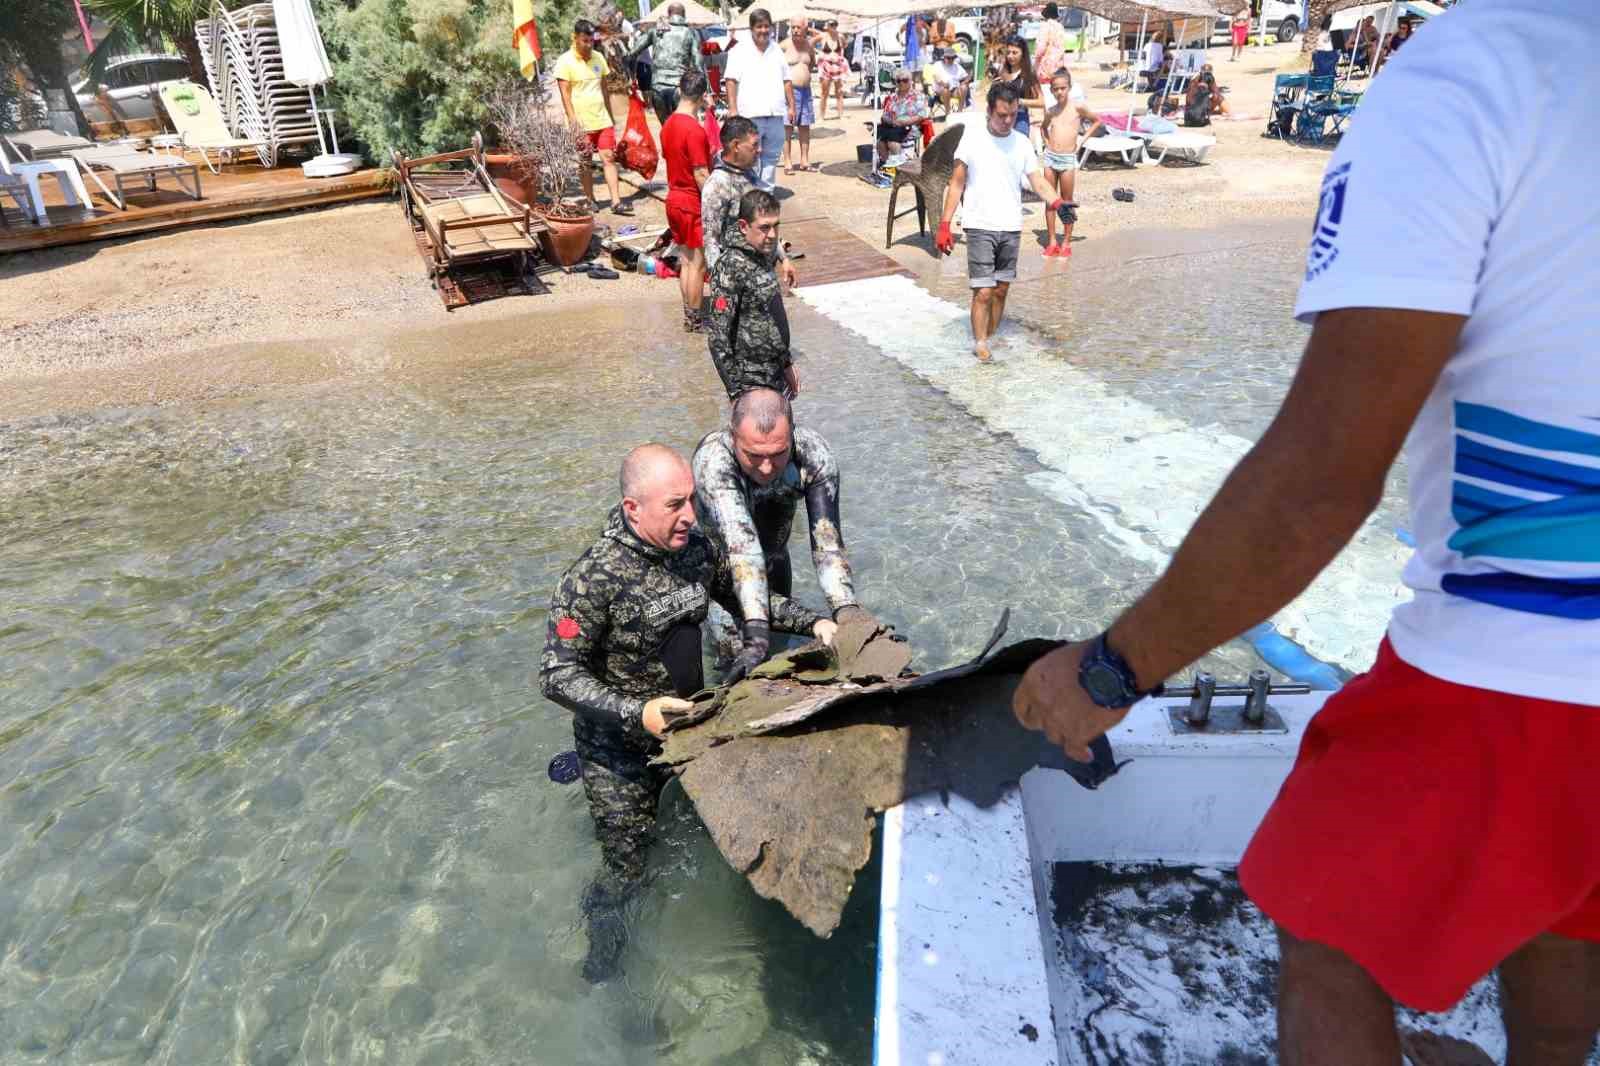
(511, 177)
(567, 242)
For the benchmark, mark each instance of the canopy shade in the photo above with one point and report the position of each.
(1409, 7)
(780, 10)
(694, 13)
(1155, 10)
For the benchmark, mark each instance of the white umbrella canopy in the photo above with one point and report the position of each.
(305, 61)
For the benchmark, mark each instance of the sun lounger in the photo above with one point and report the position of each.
(198, 120)
(461, 213)
(20, 170)
(1126, 148)
(146, 166)
(1185, 144)
(47, 144)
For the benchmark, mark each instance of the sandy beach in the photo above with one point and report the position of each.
(314, 295)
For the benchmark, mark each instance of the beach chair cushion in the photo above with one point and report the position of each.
(123, 161)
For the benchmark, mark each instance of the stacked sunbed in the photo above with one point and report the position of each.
(244, 64)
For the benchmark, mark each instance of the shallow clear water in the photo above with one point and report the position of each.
(271, 751)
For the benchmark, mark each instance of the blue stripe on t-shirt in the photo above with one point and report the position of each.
(1493, 422)
(1576, 598)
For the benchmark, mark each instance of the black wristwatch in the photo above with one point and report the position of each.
(1108, 679)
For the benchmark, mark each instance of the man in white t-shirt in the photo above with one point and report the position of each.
(1440, 820)
(759, 88)
(993, 162)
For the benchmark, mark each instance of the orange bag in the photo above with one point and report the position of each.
(639, 152)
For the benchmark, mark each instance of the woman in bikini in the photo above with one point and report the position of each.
(832, 67)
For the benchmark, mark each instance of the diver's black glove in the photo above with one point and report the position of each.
(852, 612)
(757, 636)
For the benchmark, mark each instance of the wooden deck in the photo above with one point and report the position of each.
(833, 253)
(241, 190)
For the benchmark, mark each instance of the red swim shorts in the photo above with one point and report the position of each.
(601, 140)
(683, 220)
(1429, 829)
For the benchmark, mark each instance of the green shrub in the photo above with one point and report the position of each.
(417, 75)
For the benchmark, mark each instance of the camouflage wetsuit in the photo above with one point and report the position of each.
(624, 628)
(747, 328)
(719, 209)
(751, 522)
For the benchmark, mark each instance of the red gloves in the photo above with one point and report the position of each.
(945, 240)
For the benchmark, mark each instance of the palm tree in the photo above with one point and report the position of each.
(1317, 12)
(136, 24)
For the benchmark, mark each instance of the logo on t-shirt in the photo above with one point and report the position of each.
(1330, 212)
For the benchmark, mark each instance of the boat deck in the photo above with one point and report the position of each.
(241, 190)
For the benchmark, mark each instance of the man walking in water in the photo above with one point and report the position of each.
(749, 477)
(747, 328)
(1440, 821)
(994, 163)
(730, 179)
(622, 650)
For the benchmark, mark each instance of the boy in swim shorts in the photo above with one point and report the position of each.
(1060, 137)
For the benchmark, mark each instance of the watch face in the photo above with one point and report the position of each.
(1104, 685)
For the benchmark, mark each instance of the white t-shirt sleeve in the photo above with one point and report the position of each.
(1412, 191)
(734, 70)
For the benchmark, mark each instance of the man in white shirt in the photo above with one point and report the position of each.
(758, 84)
(992, 164)
(1440, 820)
(951, 81)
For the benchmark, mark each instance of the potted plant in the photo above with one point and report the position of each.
(544, 151)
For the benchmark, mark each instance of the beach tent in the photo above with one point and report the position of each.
(1386, 16)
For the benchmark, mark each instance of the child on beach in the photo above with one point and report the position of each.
(1060, 136)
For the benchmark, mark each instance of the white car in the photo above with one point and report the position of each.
(133, 84)
(887, 42)
(1283, 22)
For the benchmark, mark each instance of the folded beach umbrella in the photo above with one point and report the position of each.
(305, 62)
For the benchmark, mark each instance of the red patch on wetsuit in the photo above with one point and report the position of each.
(567, 628)
(722, 303)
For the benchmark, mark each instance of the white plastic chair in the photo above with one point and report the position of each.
(65, 171)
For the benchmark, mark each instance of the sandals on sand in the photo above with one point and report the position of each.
(621, 208)
(791, 252)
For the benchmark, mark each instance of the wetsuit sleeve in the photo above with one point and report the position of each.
(827, 539)
(791, 616)
(729, 515)
(574, 635)
(713, 206)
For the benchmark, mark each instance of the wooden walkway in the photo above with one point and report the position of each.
(834, 254)
(239, 191)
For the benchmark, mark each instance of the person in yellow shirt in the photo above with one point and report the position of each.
(579, 73)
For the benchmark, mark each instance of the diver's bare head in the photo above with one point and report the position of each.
(762, 427)
(658, 495)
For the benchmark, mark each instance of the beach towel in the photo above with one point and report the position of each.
(183, 96)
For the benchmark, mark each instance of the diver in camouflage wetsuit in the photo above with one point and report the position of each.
(730, 179)
(746, 326)
(622, 646)
(748, 479)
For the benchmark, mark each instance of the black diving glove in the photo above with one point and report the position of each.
(757, 637)
(852, 612)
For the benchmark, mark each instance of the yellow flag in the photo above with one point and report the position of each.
(525, 33)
